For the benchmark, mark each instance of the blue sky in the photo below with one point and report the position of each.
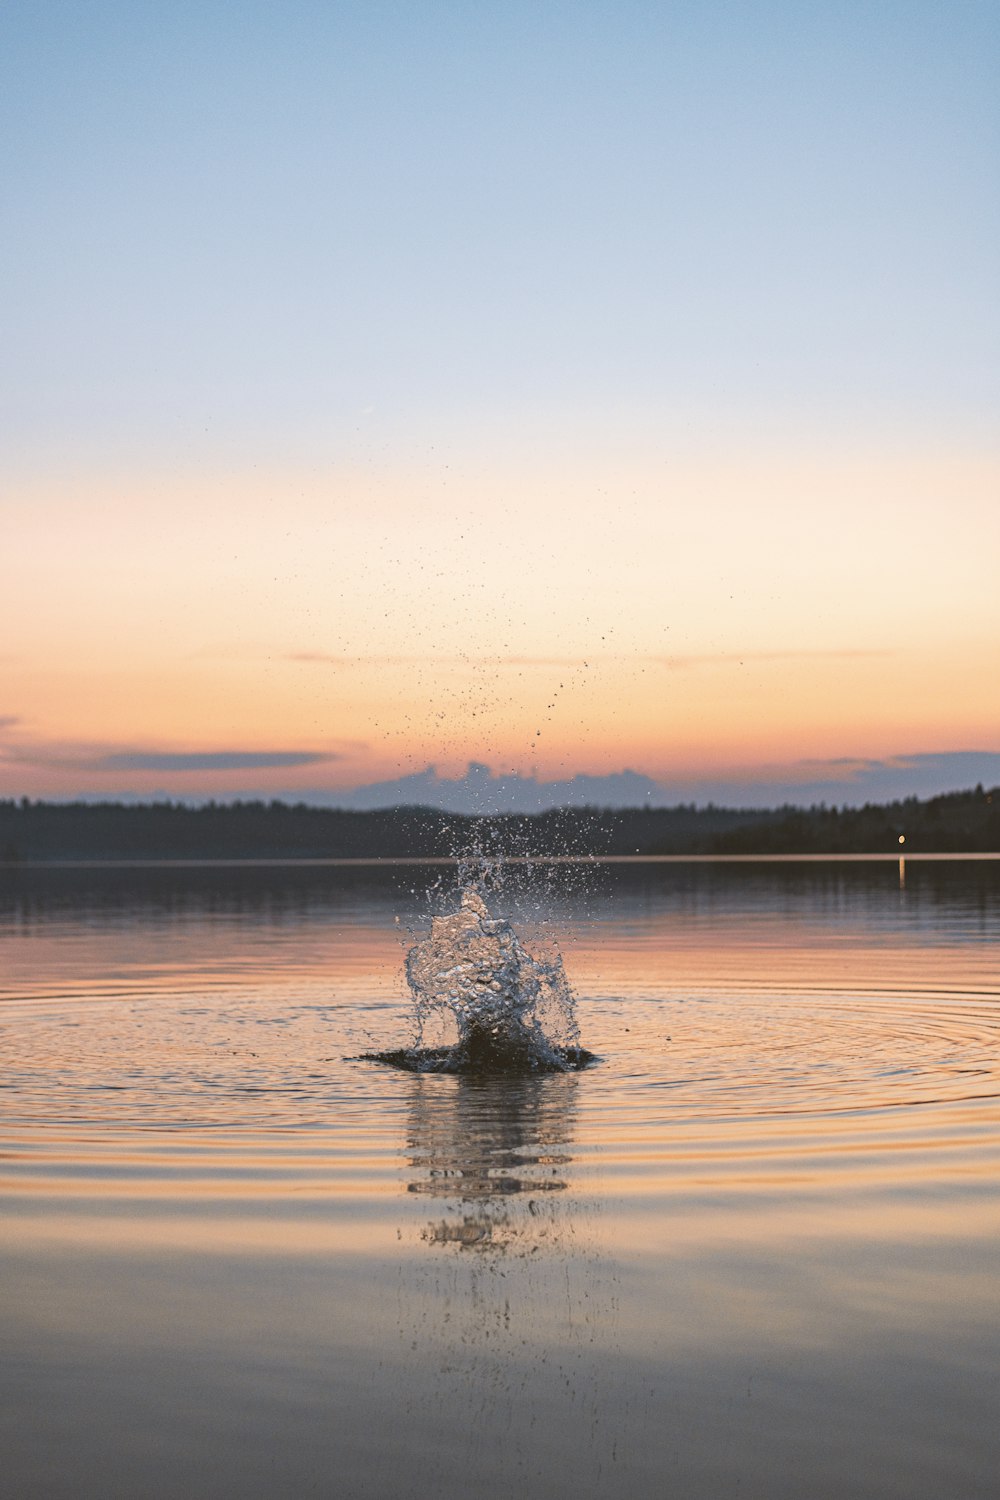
(403, 218)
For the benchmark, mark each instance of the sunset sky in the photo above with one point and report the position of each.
(567, 387)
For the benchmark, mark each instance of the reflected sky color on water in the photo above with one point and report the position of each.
(752, 1252)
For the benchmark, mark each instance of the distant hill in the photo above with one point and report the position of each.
(961, 822)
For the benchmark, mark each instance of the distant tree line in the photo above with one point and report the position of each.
(959, 822)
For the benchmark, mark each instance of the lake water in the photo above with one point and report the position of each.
(753, 1252)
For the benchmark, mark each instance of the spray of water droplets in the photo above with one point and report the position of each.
(512, 1011)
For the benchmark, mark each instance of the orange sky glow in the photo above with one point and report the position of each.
(679, 616)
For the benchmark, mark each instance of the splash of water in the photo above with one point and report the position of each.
(512, 1010)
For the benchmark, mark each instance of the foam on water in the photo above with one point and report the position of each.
(511, 1010)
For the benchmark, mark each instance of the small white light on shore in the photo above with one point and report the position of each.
(902, 838)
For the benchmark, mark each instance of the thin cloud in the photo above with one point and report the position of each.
(328, 659)
(853, 765)
(568, 662)
(677, 662)
(976, 763)
(729, 658)
(845, 780)
(430, 658)
(75, 756)
(424, 659)
(320, 659)
(216, 760)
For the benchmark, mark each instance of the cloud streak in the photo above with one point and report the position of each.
(841, 781)
(430, 658)
(738, 658)
(125, 759)
(215, 760)
(673, 662)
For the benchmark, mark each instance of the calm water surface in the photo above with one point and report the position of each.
(754, 1252)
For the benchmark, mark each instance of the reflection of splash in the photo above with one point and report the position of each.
(495, 1149)
(503, 1296)
(512, 1011)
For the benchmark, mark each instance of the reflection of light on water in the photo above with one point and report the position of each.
(753, 1253)
(504, 1297)
(493, 1149)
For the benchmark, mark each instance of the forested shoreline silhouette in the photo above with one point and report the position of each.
(958, 822)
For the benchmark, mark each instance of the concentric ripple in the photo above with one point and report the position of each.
(812, 1025)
